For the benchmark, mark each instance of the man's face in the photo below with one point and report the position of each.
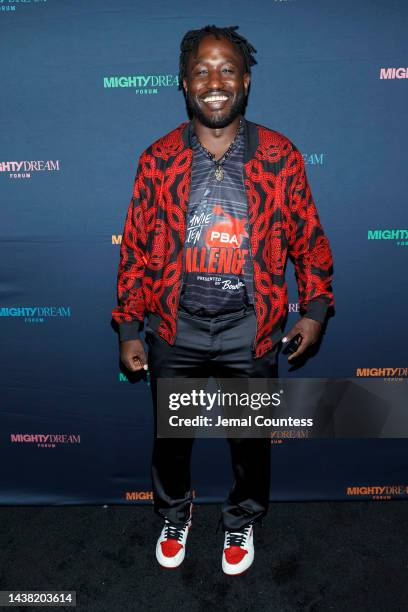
(216, 85)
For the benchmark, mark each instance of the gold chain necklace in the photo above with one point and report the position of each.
(219, 172)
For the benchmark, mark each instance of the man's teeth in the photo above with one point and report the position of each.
(215, 98)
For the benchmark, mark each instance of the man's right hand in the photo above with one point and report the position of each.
(132, 355)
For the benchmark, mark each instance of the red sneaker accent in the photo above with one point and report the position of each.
(170, 548)
(235, 554)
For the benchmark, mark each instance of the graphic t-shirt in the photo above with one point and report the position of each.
(218, 276)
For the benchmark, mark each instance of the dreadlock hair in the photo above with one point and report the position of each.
(191, 41)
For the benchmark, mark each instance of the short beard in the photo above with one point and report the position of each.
(238, 108)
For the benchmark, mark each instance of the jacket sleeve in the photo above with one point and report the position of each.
(309, 248)
(129, 313)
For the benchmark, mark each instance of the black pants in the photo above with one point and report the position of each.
(221, 347)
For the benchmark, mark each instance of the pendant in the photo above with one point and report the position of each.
(219, 173)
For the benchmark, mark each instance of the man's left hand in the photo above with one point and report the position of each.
(310, 331)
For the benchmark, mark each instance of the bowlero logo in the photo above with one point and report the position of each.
(23, 169)
(393, 73)
(35, 314)
(142, 83)
(45, 440)
(144, 495)
(400, 235)
(382, 492)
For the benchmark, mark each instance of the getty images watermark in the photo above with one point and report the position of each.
(263, 407)
(231, 400)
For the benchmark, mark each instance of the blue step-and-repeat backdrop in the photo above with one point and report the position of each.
(85, 87)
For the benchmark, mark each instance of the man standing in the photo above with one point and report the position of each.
(218, 206)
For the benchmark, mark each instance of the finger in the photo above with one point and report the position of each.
(132, 364)
(301, 349)
(141, 362)
(135, 362)
(289, 336)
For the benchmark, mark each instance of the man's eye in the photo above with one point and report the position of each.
(228, 70)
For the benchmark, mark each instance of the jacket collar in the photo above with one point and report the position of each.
(251, 138)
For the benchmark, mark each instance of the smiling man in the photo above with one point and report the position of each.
(218, 206)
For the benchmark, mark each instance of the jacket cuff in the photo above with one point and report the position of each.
(317, 310)
(130, 331)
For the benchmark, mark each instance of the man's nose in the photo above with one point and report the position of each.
(214, 80)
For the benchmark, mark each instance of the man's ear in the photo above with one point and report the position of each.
(185, 85)
(247, 81)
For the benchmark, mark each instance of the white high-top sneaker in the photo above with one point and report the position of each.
(171, 545)
(239, 552)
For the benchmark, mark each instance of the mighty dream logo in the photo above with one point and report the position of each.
(12, 5)
(387, 373)
(141, 84)
(145, 373)
(314, 159)
(399, 236)
(145, 495)
(393, 73)
(25, 168)
(35, 314)
(49, 440)
(378, 492)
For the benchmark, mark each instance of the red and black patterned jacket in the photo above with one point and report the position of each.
(283, 222)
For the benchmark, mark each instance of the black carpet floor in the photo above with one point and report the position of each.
(313, 556)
